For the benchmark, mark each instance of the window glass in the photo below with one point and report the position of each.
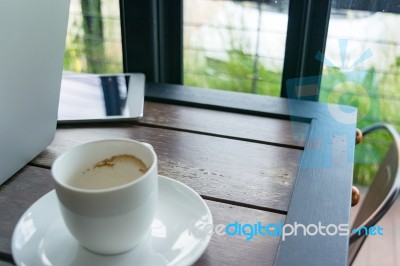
(94, 37)
(362, 69)
(235, 45)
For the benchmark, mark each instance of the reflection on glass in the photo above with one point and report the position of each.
(235, 45)
(93, 96)
(362, 68)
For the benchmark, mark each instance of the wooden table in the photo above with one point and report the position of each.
(251, 158)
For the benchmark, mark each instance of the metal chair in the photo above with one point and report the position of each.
(381, 194)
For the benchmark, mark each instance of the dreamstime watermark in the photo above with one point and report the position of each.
(251, 230)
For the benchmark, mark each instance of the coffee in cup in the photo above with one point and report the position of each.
(107, 192)
(111, 172)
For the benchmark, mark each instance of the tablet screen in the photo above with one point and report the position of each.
(88, 97)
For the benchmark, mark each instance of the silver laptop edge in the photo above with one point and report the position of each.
(32, 44)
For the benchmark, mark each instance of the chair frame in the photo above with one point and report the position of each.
(391, 197)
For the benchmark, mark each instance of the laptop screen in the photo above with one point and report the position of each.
(33, 35)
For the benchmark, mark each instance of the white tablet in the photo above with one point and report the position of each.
(97, 98)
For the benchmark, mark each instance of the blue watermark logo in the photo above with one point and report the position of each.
(251, 230)
(344, 84)
(372, 231)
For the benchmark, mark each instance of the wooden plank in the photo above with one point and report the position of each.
(382, 250)
(28, 185)
(16, 195)
(230, 170)
(321, 195)
(396, 233)
(265, 129)
(236, 250)
(218, 100)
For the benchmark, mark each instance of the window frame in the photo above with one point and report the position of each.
(152, 39)
(158, 24)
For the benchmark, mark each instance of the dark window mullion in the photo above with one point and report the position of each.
(152, 39)
(171, 41)
(139, 29)
(306, 36)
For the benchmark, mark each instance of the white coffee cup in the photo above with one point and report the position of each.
(108, 220)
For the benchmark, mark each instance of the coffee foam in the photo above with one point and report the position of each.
(110, 172)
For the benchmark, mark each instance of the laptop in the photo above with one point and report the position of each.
(32, 43)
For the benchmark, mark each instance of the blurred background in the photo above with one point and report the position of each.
(240, 46)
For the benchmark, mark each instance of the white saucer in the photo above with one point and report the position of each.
(41, 237)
